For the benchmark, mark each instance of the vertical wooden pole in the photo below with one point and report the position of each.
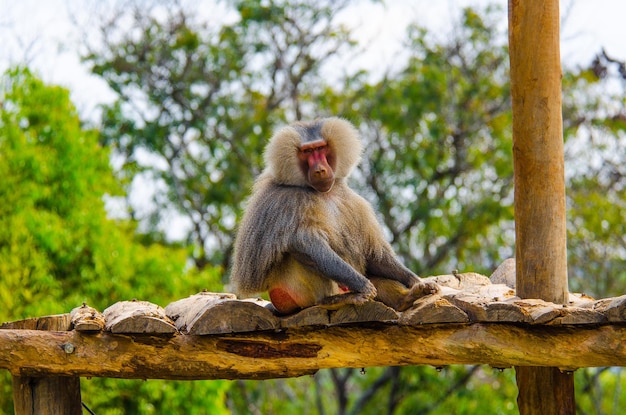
(46, 395)
(541, 257)
(538, 150)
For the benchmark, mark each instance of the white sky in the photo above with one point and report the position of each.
(40, 33)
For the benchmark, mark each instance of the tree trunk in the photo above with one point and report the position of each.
(541, 258)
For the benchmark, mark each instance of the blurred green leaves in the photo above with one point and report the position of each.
(57, 246)
(195, 105)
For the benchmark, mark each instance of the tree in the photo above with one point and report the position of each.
(57, 246)
(595, 131)
(200, 100)
(438, 161)
(434, 199)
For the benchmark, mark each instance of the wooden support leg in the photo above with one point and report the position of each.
(46, 396)
(534, 399)
(540, 225)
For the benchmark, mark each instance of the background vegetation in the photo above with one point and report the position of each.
(184, 138)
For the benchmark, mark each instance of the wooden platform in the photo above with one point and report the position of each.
(216, 336)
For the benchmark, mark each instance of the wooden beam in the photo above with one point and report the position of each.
(301, 351)
(539, 184)
(46, 395)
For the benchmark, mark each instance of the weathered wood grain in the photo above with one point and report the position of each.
(581, 300)
(137, 317)
(577, 316)
(187, 309)
(55, 322)
(220, 337)
(311, 316)
(433, 309)
(616, 309)
(217, 313)
(370, 311)
(87, 319)
(468, 281)
(46, 395)
(539, 176)
(505, 273)
(222, 313)
(299, 351)
(541, 312)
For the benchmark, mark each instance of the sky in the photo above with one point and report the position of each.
(42, 35)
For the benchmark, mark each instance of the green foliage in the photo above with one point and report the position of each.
(596, 236)
(595, 127)
(438, 160)
(195, 105)
(57, 247)
(120, 397)
(406, 390)
(57, 242)
(55, 176)
(201, 102)
(438, 164)
(599, 391)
